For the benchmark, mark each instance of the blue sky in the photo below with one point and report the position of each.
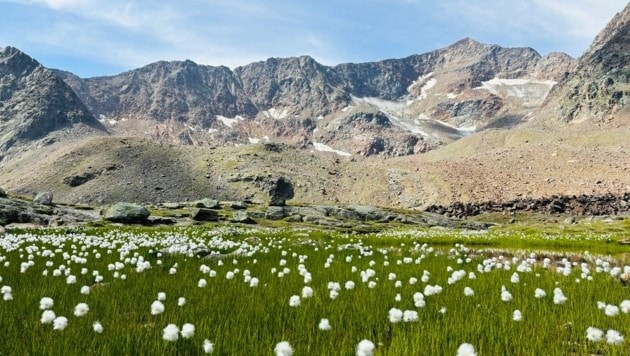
(90, 37)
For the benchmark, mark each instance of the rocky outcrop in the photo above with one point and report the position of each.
(599, 89)
(608, 204)
(127, 213)
(35, 102)
(44, 198)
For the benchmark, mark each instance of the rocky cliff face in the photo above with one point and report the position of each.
(429, 99)
(599, 89)
(35, 102)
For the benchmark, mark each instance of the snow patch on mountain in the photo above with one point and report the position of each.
(324, 148)
(519, 88)
(278, 114)
(227, 121)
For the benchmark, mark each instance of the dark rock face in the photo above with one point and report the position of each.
(608, 204)
(599, 87)
(306, 87)
(127, 213)
(279, 189)
(35, 102)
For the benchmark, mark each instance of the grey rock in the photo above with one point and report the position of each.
(279, 189)
(127, 213)
(275, 213)
(241, 216)
(44, 198)
(201, 214)
(79, 179)
(238, 205)
(207, 203)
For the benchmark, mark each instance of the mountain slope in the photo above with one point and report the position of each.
(599, 89)
(34, 102)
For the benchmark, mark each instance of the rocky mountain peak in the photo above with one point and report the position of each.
(599, 88)
(34, 102)
(617, 27)
(15, 62)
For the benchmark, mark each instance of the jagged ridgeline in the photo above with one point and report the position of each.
(34, 102)
(420, 101)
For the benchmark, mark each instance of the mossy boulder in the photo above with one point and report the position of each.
(127, 213)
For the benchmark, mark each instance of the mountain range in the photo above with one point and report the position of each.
(467, 122)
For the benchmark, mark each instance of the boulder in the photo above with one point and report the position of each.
(44, 198)
(201, 214)
(127, 213)
(207, 203)
(78, 179)
(275, 213)
(238, 205)
(3, 194)
(241, 216)
(278, 188)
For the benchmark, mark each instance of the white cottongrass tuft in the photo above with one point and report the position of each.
(324, 324)
(466, 349)
(208, 346)
(254, 282)
(202, 283)
(539, 293)
(46, 303)
(469, 292)
(294, 301)
(161, 296)
(506, 296)
(81, 309)
(170, 333)
(625, 306)
(594, 334)
(558, 296)
(611, 310)
(85, 290)
(365, 348)
(515, 278)
(307, 292)
(188, 330)
(283, 348)
(517, 316)
(157, 307)
(418, 300)
(410, 316)
(431, 290)
(60, 323)
(48, 316)
(613, 337)
(395, 315)
(97, 327)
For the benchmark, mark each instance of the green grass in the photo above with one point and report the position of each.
(242, 320)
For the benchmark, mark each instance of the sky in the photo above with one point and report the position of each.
(107, 37)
